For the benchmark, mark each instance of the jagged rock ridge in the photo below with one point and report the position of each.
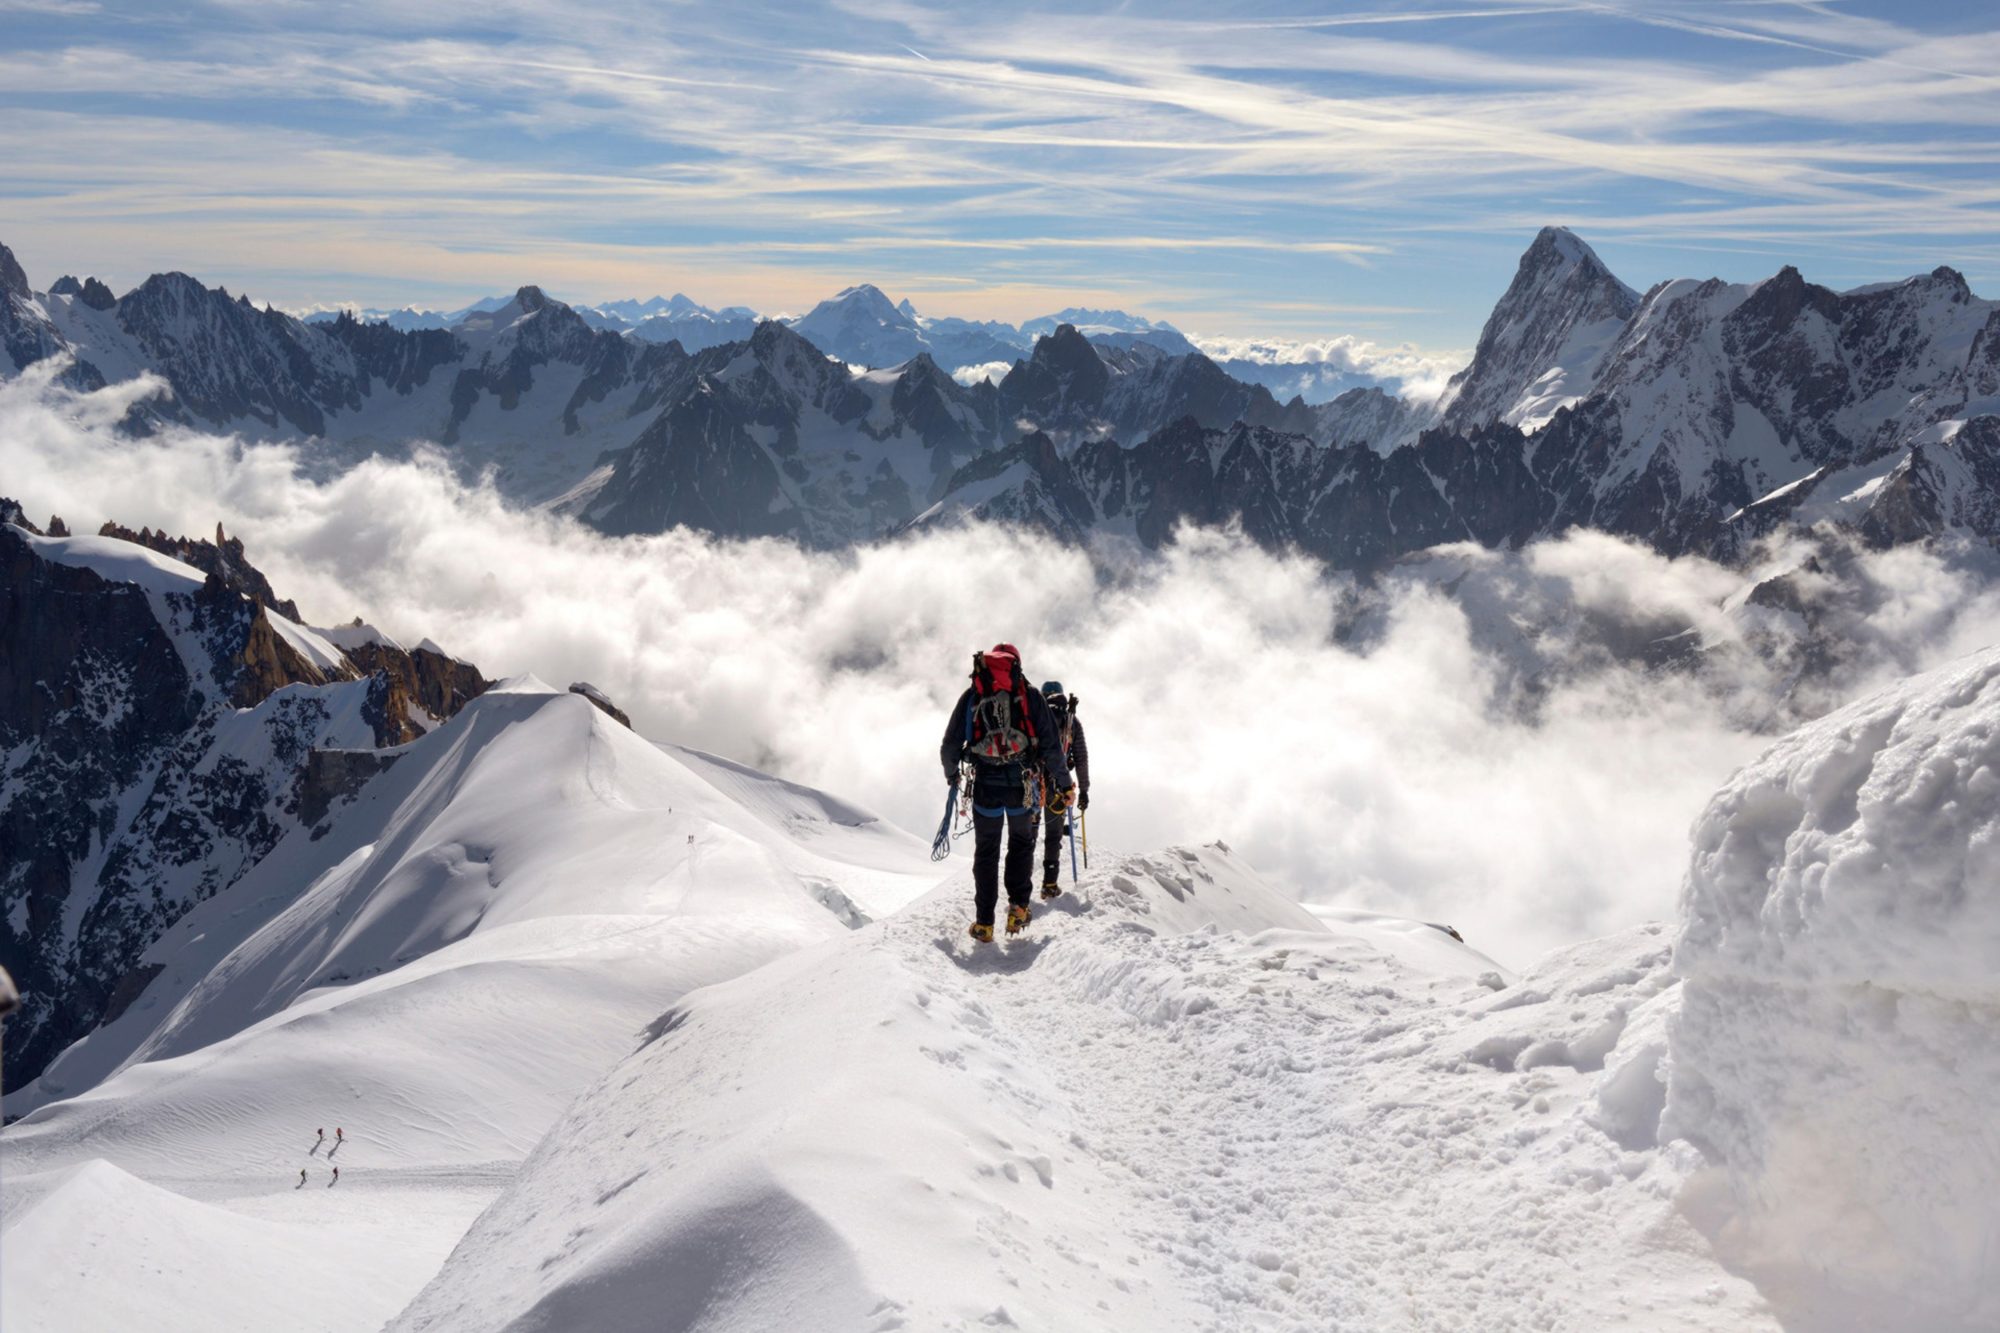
(1697, 417)
(160, 708)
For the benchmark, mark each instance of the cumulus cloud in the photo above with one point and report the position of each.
(986, 370)
(1340, 363)
(1478, 740)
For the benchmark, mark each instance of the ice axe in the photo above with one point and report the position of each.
(941, 844)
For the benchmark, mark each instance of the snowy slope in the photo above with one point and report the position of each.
(1835, 1050)
(489, 926)
(1180, 1102)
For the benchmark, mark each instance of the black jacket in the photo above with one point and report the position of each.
(1047, 739)
(1079, 754)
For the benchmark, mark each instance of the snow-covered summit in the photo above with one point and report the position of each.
(1543, 343)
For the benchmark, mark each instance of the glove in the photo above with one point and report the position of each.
(951, 775)
(1083, 799)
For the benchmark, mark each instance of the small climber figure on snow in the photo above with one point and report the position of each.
(1002, 728)
(336, 1178)
(302, 1178)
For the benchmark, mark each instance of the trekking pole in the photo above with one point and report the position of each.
(941, 844)
(1084, 819)
(1069, 815)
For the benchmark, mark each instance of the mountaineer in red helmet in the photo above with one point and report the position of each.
(1001, 725)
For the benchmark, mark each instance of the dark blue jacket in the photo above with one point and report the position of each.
(1047, 739)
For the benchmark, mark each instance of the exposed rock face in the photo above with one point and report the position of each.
(90, 291)
(25, 336)
(157, 737)
(13, 279)
(420, 688)
(336, 775)
(222, 558)
(1544, 341)
(601, 700)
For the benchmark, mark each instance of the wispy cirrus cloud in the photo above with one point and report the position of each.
(1236, 171)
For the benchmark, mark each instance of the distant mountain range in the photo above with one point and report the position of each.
(1697, 416)
(864, 328)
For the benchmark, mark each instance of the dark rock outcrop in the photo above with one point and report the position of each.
(602, 701)
(221, 558)
(337, 775)
(159, 744)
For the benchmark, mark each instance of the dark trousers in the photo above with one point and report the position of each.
(986, 861)
(1052, 853)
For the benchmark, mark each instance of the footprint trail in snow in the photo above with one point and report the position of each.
(1177, 1101)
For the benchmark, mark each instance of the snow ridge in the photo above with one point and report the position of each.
(1178, 1102)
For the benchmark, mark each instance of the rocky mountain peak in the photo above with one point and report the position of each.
(866, 296)
(863, 326)
(13, 279)
(89, 291)
(222, 560)
(1065, 350)
(12, 515)
(1783, 297)
(772, 339)
(1559, 247)
(530, 299)
(1952, 281)
(1542, 343)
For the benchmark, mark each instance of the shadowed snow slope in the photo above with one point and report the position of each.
(480, 934)
(1835, 1048)
(1178, 1102)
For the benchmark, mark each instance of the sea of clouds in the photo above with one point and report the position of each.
(1515, 743)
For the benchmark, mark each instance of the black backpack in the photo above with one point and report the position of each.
(1062, 707)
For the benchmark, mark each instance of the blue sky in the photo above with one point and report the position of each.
(1260, 169)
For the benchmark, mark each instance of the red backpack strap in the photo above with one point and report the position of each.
(1021, 696)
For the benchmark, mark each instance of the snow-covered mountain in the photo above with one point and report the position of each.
(1545, 342)
(858, 325)
(767, 435)
(166, 720)
(863, 327)
(674, 319)
(611, 1035)
(1699, 417)
(464, 943)
(1113, 328)
(406, 318)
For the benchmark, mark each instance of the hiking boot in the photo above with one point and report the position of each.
(1051, 890)
(1018, 917)
(981, 932)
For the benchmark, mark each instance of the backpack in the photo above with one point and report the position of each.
(999, 728)
(1062, 707)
